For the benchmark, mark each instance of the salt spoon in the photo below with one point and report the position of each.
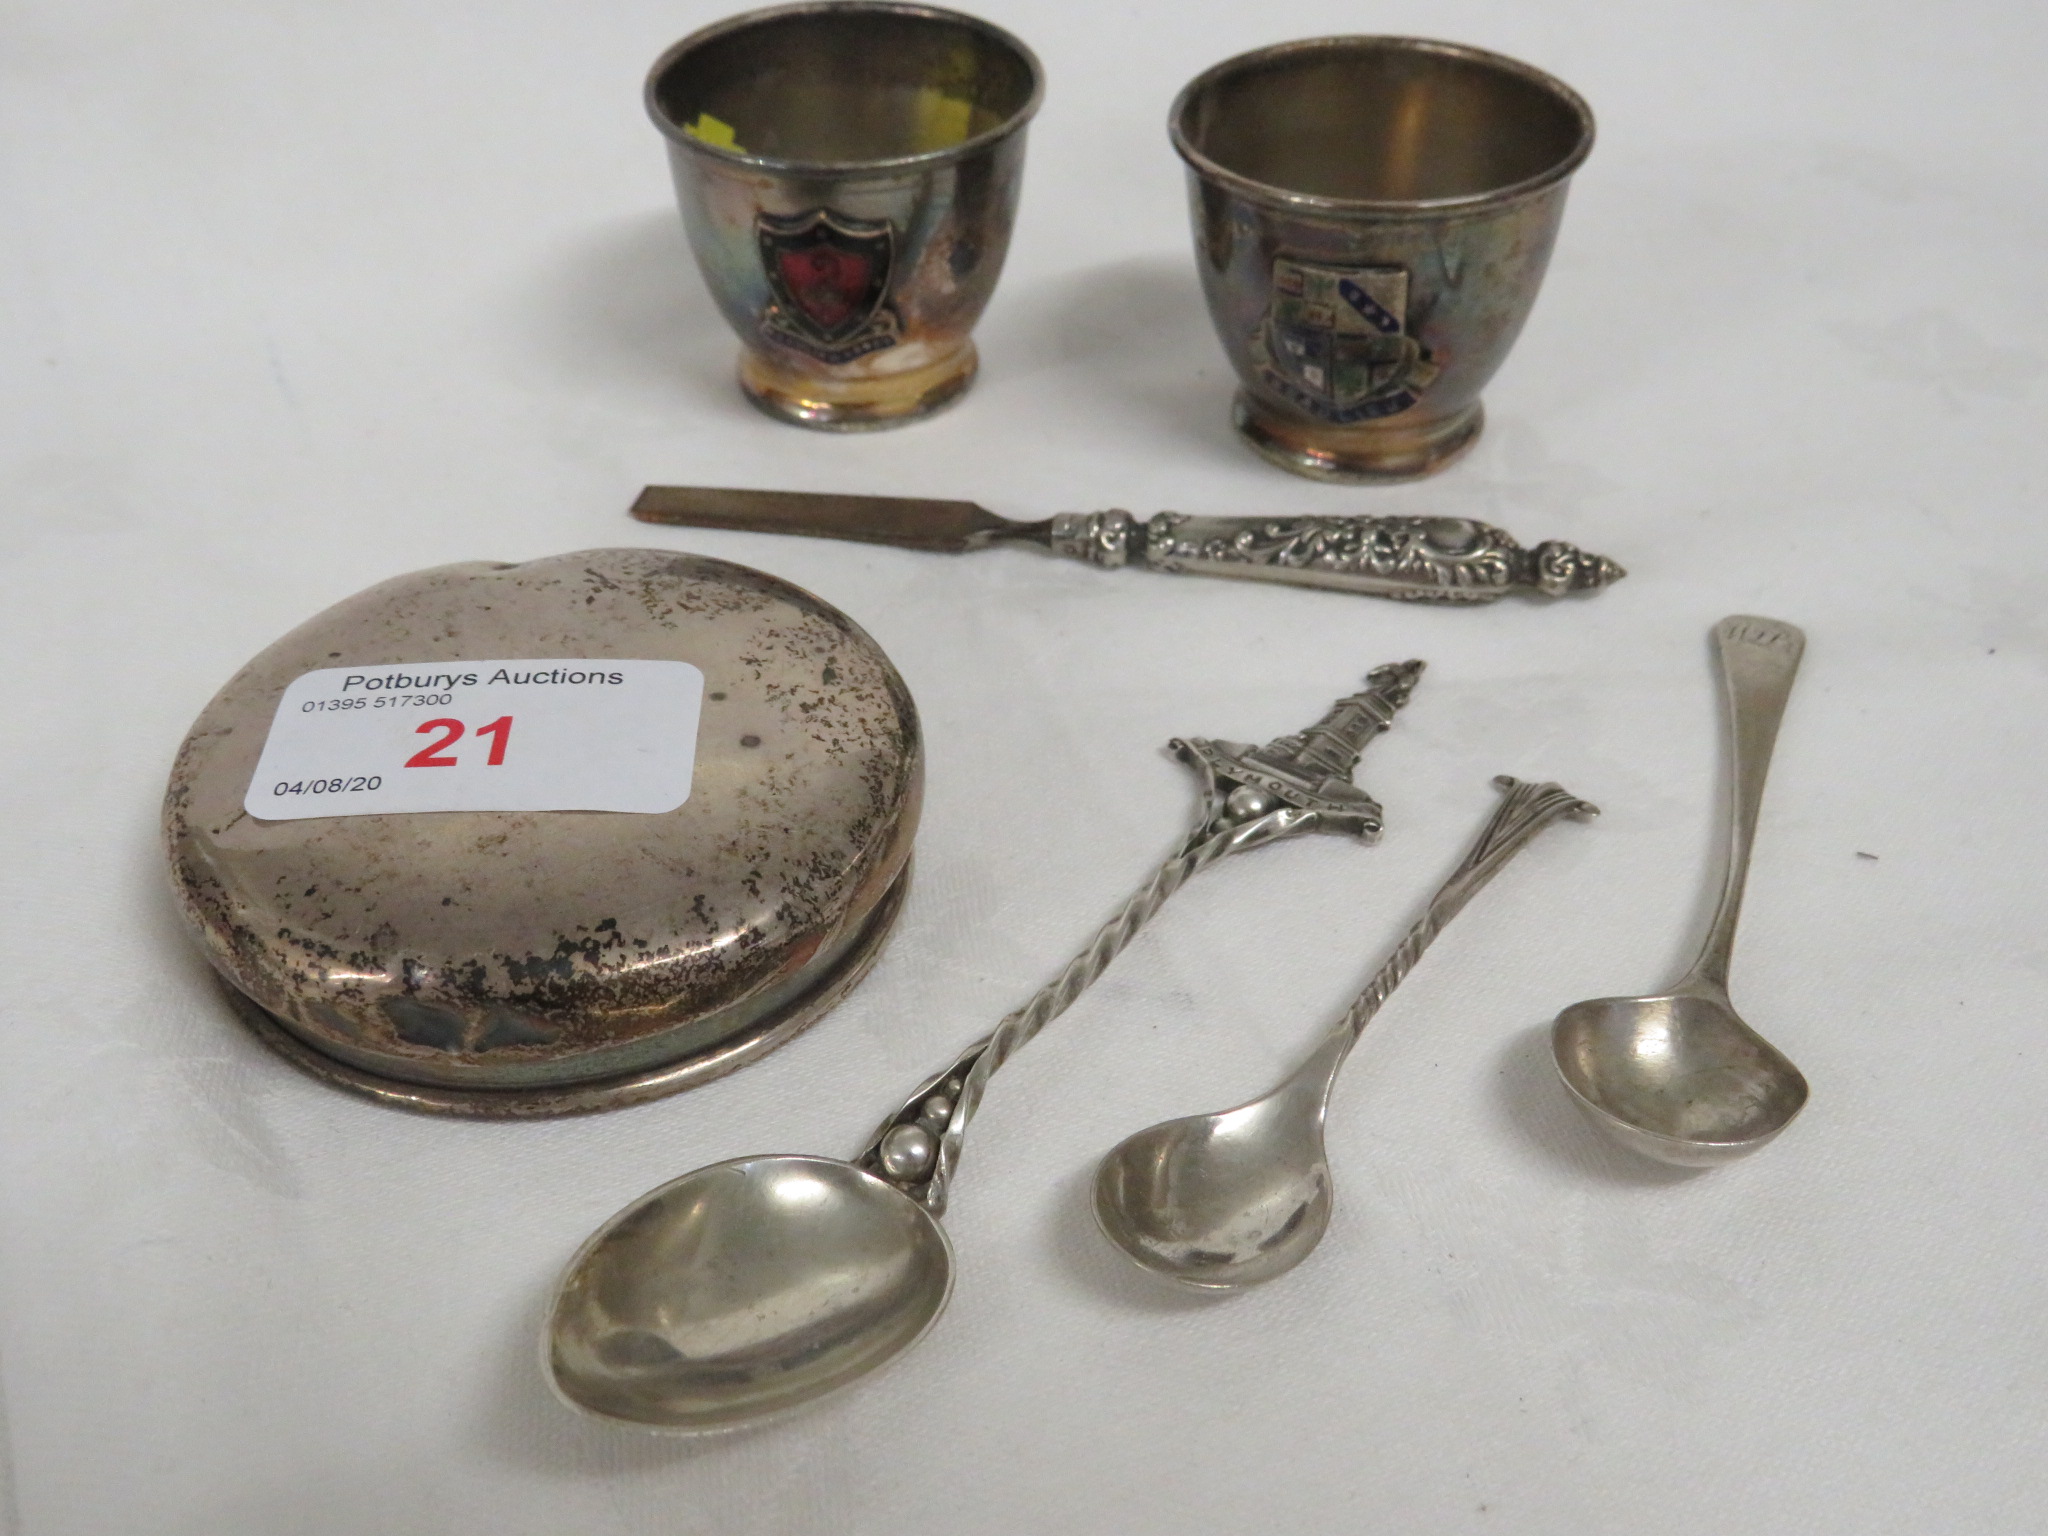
(1233, 1199)
(750, 1287)
(1680, 1077)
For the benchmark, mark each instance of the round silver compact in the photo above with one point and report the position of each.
(544, 838)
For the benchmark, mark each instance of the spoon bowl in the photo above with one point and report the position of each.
(747, 1289)
(1233, 1199)
(743, 1290)
(1225, 1200)
(1678, 1078)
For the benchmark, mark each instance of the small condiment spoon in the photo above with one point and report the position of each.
(750, 1287)
(1228, 1200)
(1679, 1077)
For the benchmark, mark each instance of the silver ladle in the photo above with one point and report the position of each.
(1229, 1200)
(1680, 1077)
(753, 1286)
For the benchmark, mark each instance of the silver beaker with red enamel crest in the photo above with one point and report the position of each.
(848, 174)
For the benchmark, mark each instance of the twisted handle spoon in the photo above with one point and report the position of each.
(1251, 796)
(750, 1287)
(917, 1147)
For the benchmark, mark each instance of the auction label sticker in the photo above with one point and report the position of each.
(547, 735)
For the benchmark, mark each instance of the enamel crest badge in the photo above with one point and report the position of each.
(829, 278)
(1335, 341)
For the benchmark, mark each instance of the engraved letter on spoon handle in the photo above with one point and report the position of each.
(1759, 659)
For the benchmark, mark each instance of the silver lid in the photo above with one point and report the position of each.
(544, 962)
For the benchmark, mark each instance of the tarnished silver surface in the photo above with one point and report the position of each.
(749, 1288)
(520, 963)
(1372, 219)
(1228, 1200)
(1680, 1077)
(690, 1071)
(848, 172)
(1421, 559)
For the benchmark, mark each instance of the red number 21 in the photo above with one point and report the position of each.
(500, 732)
(432, 755)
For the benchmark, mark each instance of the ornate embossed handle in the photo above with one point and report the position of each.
(1421, 559)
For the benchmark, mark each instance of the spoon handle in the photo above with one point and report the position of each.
(1298, 783)
(946, 1101)
(1759, 659)
(1524, 810)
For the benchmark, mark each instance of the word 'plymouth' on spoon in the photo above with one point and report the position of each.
(751, 1287)
(1680, 1077)
(1228, 1200)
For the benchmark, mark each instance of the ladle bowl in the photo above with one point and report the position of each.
(1679, 1078)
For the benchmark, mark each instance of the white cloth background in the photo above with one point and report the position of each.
(297, 296)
